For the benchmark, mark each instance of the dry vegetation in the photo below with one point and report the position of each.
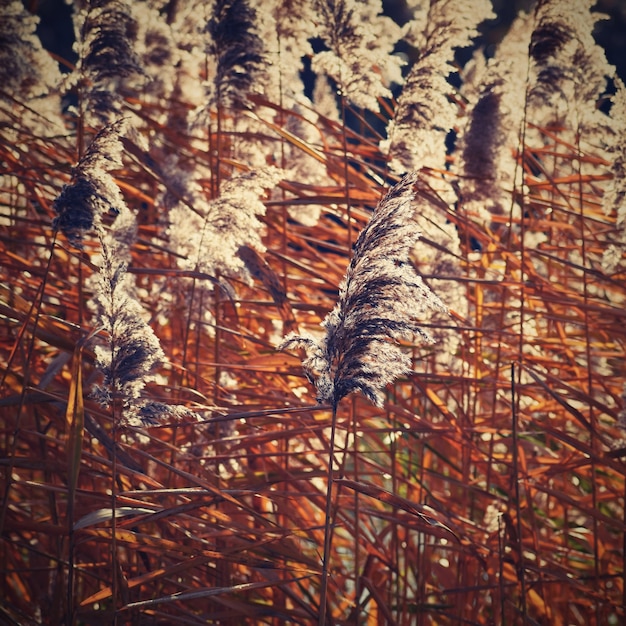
(488, 488)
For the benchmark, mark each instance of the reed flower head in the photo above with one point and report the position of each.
(26, 69)
(105, 37)
(285, 27)
(381, 299)
(570, 69)
(157, 51)
(360, 43)
(93, 191)
(132, 348)
(424, 114)
(211, 235)
(237, 50)
(488, 139)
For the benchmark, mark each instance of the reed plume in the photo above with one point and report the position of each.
(106, 33)
(26, 69)
(285, 27)
(210, 236)
(487, 141)
(132, 348)
(93, 191)
(381, 299)
(237, 50)
(360, 42)
(570, 69)
(425, 113)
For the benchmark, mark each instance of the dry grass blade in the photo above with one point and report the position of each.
(427, 516)
(204, 593)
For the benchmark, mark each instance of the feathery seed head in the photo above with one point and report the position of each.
(381, 299)
(424, 114)
(360, 42)
(237, 49)
(26, 69)
(81, 204)
(132, 349)
(569, 68)
(106, 34)
(110, 32)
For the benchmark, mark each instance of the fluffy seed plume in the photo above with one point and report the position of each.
(381, 299)
(132, 349)
(570, 69)
(26, 69)
(105, 37)
(424, 113)
(495, 111)
(237, 50)
(360, 42)
(93, 191)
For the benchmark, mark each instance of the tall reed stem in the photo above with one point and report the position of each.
(328, 524)
(518, 512)
(114, 563)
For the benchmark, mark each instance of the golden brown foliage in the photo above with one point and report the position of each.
(488, 489)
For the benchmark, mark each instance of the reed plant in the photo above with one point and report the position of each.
(306, 319)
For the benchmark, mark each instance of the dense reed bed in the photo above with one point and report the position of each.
(201, 180)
